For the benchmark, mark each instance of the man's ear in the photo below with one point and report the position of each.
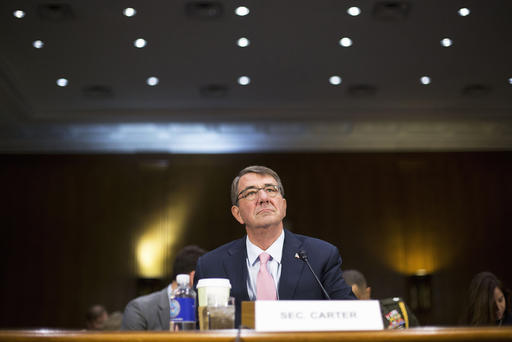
(284, 207)
(236, 214)
(355, 289)
(191, 275)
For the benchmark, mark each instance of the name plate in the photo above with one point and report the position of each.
(317, 315)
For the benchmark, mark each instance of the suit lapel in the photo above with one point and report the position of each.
(163, 313)
(291, 267)
(235, 266)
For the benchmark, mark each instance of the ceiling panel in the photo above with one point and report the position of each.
(289, 104)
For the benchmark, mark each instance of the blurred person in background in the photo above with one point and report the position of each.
(395, 312)
(488, 302)
(357, 280)
(113, 322)
(96, 317)
(152, 311)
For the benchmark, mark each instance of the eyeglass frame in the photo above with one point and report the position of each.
(258, 189)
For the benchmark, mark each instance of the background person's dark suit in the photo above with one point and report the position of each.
(296, 282)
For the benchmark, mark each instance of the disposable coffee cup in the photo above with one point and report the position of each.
(216, 310)
(213, 291)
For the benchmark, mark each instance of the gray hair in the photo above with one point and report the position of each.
(262, 170)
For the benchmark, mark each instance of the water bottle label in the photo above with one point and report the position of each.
(183, 309)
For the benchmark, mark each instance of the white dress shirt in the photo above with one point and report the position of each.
(273, 264)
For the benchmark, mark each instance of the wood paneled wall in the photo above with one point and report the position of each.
(71, 224)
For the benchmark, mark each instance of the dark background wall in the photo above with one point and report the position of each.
(71, 224)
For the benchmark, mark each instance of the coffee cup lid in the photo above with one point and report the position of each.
(214, 282)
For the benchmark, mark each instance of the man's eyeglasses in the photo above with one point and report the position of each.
(251, 193)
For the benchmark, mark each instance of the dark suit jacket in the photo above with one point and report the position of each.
(296, 282)
(150, 312)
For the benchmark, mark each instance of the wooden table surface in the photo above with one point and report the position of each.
(417, 334)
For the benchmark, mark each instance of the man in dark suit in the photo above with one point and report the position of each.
(152, 312)
(257, 196)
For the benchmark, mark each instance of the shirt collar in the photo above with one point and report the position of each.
(275, 250)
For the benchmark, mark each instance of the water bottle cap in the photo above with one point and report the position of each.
(183, 279)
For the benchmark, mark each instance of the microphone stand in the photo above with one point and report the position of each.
(304, 257)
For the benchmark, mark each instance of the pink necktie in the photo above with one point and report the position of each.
(265, 286)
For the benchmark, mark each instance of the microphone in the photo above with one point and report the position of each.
(302, 255)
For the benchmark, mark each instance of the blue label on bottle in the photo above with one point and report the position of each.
(183, 309)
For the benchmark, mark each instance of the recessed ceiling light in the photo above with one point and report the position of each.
(18, 14)
(152, 81)
(139, 43)
(244, 80)
(446, 42)
(242, 11)
(243, 42)
(62, 82)
(129, 12)
(335, 80)
(425, 80)
(354, 11)
(510, 80)
(464, 11)
(38, 44)
(345, 42)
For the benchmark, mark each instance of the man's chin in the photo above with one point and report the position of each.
(266, 224)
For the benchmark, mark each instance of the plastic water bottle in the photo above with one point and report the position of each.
(183, 305)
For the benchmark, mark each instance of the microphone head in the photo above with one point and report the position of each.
(302, 255)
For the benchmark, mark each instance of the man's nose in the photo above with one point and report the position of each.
(263, 196)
